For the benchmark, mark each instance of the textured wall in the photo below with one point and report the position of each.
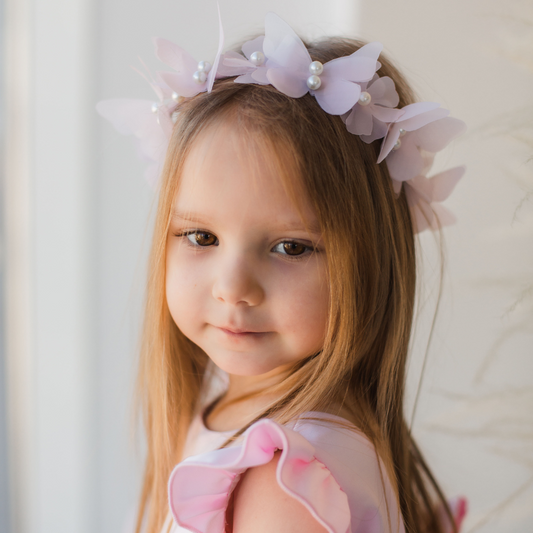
(474, 416)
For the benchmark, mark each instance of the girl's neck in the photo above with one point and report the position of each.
(249, 396)
(245, 399)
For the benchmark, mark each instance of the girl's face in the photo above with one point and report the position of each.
(246, 278)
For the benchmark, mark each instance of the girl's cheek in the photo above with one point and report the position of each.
(187, 278)
(182, 279)
(302, 296)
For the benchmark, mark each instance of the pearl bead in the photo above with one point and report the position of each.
(397, 145)
(365, 98)
(257, 58)
(204, 66)
(316, 67)
(314, 82)
(155, 107)
(402, 132)
(199, 76)
(175, 97)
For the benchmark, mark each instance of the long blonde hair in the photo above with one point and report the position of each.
(370, 252)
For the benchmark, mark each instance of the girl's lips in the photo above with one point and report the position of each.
(241, 332)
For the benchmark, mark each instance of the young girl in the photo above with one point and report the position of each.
(281, 289)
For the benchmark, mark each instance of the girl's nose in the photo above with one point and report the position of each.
(236, 283)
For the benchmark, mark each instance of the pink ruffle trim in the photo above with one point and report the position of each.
(199, 488)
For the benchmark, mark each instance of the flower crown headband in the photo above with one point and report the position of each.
(347, 86)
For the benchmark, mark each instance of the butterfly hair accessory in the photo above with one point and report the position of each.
(349, 87)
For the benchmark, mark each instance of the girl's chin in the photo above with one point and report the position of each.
(248, 365)
(244, 369)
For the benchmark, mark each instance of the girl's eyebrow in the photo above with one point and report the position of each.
(296, 225)
(299, 225)
(189, 216)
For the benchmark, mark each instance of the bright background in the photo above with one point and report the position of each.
(75, 230)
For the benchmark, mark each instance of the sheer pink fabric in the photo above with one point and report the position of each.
(332, 470)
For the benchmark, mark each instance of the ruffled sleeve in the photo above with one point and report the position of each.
(200, 487)
(333, 472)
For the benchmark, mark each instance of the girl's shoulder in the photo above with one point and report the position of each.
(321, 460)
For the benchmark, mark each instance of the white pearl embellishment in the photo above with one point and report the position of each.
(397, 145)
(316, 67)
(257, 58)
(402, 132)
(204, 66)
(199, 76)
(365, 98)
(175, 97)
(155, 107)
(314, 82)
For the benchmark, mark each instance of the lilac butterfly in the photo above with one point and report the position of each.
(251, 68)
(421, 126)
(190, 77)
(370, 117)
(424, 196)
(285, 63)
(150, 122)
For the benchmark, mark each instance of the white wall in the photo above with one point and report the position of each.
(49, 311)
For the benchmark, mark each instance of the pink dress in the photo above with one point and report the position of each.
(332, 470)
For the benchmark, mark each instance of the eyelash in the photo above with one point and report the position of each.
(193, 232)
(307, 250)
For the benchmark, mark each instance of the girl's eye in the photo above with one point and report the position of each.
(291, 248)
(202, 238)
